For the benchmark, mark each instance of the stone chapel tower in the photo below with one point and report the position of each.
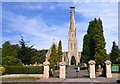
(72, 39)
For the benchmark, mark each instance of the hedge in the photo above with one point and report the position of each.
(23, 69)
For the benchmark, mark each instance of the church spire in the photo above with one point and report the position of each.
(72, 20)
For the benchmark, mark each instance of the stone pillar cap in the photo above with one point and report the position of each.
(62, 63)
(46, 62)
(91, 62)
(108, 62)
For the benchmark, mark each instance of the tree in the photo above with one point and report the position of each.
(94, 43)
(11, 61)
(25, 52)
(10, 50)
(100, 54)
(115, 54)
(41, 54)
(5, 49)
(73, 61)
(60, 51)
(85, 53)
(53, 57)
(0, 56)
(35, 59)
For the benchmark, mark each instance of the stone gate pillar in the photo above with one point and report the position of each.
(46, 68)
(108, 69)
(62, 70)
(92, 68)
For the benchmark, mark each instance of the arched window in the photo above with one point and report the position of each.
(71, 46)
(74, 46)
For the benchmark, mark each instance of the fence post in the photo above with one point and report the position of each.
(62, 70)
(108, 69)
(46, 68)
(92, 68)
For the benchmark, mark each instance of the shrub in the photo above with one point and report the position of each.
(24, 69)
(11, 61)
(2, 70)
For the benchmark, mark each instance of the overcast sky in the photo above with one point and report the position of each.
(41, 22)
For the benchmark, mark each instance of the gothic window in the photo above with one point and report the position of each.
(74, 46)
(71, 46)
(72, 35)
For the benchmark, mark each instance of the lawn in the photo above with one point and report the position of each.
(24, 79)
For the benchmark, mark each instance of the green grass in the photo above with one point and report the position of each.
(20, 79)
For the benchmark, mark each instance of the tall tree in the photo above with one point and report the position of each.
(94, 43)
(26, 52)
(115, 54)
(100, 54)
(53, 57)
(60, 51)
(85, 53)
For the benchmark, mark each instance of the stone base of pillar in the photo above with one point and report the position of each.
(62, 70)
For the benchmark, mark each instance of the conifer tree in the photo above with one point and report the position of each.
(94, 43)
(25, 53)
(85, 53)
(53, 56)
(115, 54)
(60, 51)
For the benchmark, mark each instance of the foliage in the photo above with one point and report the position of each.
(2, 70)
(10, 50)
(0, 56)
(41, 54)
(25, 52)
(94, 43)
(60, 51)
(24, 69)
(53, 56)
(56, 54)
(10, 61)
(73, 61)
(85, 53)
(36, 59)
(115, 54)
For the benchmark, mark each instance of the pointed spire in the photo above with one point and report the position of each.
(72, 20)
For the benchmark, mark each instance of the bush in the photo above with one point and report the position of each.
(24, 69)
(2, 70)
(11, 61)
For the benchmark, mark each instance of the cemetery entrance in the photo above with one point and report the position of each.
(54, 71)
(77, 71)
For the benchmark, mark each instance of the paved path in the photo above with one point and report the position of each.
(72, 72)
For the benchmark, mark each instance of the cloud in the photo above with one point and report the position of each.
(108, 12)
(34, 6)
(33, 29)
(36, 30)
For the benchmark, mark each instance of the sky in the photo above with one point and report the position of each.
(42, 22)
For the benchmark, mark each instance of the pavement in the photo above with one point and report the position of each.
(99, 79)
(73, 77)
